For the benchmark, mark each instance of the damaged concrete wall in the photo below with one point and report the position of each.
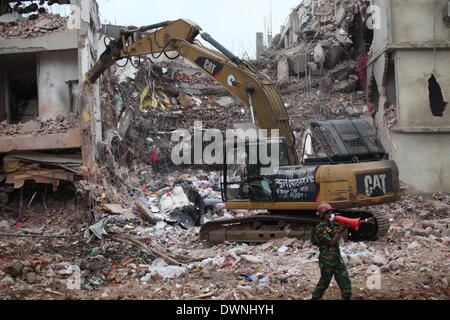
(55, 69)
(414, 69)
(412, 23)
(89, 102)
(414, 39)
(65, 48)
(381, 38)
(423, 160)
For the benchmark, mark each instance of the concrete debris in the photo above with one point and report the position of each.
(38, 127)
(161, 270)
(135, 253)
(15, 269)
(5, 227)
(39, 26)
(225, 102)
(252, 259)
(10, 18)
(379, 260)
(166, 97)
(319, 61)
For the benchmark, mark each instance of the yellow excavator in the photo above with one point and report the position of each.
(346, 168)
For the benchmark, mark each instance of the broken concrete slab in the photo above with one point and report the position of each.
(32, 231)
(185, 99)
(356, 111)
(342, 72)
(5, 226)
(252, 259)
(345, 86)
(343, 37)
(11, 17)
(115, 208)
(283, 70)
(15, 269)
(319, 54)
(32, 28)
(340, 15)
(297, 60)
(297, 64)
(225, 102)
(333, 56)
(30, 127)
(199, 89)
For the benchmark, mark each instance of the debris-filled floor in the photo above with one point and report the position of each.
(126, 255)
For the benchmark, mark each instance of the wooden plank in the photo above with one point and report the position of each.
(147, 213)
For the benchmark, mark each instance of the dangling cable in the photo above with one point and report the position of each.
(163, 51)
(126, 63)
(138, 64)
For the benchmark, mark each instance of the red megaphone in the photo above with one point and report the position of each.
(353, 223)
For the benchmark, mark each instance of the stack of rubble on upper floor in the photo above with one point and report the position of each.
(319, 59)
(323, 33)
(16, 26)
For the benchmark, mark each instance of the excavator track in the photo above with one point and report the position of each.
(383, 224)
(258, 229)
(266, 227)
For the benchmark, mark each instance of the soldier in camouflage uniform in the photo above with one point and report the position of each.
(331, 263)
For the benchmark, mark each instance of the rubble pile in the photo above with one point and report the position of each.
(39, 127)
(153, 101)
(319, 59)
(9, 129)
(14, 26)
(120, 256)
(33, 8)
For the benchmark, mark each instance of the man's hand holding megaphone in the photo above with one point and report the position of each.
(352, 223)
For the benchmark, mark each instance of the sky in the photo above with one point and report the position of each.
(233, 23)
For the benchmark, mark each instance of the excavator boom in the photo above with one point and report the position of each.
(238, 77)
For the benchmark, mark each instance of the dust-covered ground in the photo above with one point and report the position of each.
(411, 263)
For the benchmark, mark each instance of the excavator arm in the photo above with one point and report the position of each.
(253, 89)
(295, 192)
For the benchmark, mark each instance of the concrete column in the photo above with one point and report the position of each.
(259, 44)
(89, 100)
(269, 40)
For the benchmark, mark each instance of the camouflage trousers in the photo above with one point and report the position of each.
(340, 273)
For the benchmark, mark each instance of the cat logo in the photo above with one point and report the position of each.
(375, 184)
(209, 66)
(212, 67)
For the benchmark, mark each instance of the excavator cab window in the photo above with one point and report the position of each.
(254, 181)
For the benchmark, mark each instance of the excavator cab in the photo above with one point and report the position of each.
(250, 176)
(347, 148)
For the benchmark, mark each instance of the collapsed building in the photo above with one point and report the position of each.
(46, 132)
(372, 49)
(125, 251)
(336, 46)
(55, 127)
